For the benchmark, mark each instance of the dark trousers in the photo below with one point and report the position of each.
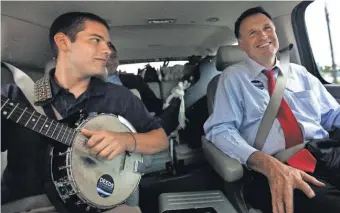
(327, 199)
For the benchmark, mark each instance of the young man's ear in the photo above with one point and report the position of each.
(62, 41)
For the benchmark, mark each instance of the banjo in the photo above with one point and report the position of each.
(82, 181)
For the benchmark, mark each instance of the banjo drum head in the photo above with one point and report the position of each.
(100, 182)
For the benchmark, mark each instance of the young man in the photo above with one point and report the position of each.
(308, 108)
(81, 44)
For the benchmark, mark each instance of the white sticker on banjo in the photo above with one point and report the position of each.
(105, 186)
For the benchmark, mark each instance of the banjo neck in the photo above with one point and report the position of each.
(41, 124)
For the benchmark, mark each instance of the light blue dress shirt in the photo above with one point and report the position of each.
(241, 100)
(114, 78)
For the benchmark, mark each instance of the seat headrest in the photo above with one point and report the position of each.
(50, 65)
(228, 55)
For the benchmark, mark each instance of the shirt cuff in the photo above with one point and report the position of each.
(235, 147)
(245, 151)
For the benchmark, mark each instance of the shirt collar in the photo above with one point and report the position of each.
(96, 87)
(54, 85)
(255, 68)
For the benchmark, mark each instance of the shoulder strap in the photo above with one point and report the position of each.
(275, 100)
(26, 84)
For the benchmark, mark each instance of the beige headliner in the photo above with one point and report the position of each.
(25, 27)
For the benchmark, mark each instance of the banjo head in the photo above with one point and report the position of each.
(100, 182)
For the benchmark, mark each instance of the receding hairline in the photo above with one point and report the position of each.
(269, 21)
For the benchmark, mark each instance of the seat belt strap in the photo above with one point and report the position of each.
(275, 100)
(26, 84)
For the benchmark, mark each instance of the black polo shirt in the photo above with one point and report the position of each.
(26, 149)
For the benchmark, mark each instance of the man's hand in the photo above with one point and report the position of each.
(283, 180)
(108, 144)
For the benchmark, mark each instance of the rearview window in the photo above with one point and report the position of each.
(133, 68)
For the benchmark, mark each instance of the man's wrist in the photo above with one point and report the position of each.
(131, 142)
(263, 163)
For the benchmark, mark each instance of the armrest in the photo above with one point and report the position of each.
(229, 169)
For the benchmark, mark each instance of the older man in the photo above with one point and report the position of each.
(307, 112)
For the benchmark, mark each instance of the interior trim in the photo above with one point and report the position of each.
(26, 21)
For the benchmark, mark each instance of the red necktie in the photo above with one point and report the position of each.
(302, 160)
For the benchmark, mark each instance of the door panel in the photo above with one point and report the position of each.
(334, 89)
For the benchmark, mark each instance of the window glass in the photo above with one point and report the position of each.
(322, 20)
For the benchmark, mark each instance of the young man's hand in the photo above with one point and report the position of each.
(108, 144)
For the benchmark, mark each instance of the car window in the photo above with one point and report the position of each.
(133, 68)
(322, 22)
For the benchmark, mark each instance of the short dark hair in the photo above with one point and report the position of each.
(247, 13)
(70, 24)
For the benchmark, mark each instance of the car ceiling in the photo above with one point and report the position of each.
(25, 26)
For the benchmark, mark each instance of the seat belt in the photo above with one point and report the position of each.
(275, 100)
(296, 156)
(26, 85)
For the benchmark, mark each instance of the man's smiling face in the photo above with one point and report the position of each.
(258, 37)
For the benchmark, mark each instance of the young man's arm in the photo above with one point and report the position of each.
(109, 144)
(149, 139)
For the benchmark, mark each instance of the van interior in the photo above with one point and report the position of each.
(200, 178)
